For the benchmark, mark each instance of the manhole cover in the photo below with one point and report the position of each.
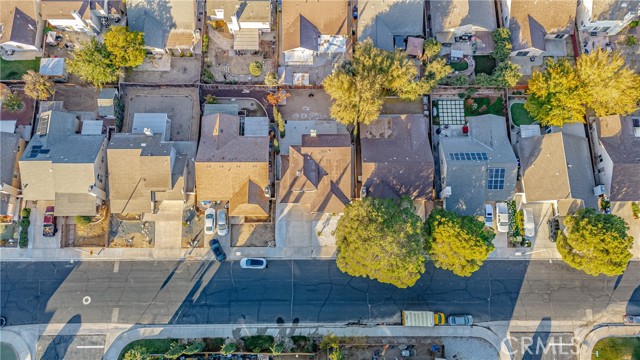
(86, 300)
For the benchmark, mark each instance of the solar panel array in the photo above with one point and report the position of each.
(468, 156)
(496, 179)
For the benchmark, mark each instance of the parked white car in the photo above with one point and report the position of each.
(209, 221)
(253, 263)
(488, 215)
(529, 223)
(223, 226)
(502, 217)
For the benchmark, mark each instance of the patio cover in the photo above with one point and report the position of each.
(247, 39)
(75, 204)
(457, 54)
(52, 66)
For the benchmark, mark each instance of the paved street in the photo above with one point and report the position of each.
(300, 291)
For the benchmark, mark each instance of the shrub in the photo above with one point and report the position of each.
(193, 348)
(83, 220)
(205, 43)
(137, 353)
(255, 68)
(271, 79)
(279, 121)
(228, 349)
(634, 23)
(11, 101)
(213, 344)
(605, 204)
(25, 212)
(336, 354)
(118, 107)
(210, 99)
(176, 350)
(257, 343)
(635, 208)
(631, 40)
(520, 221)
(276, 146)
(329, 341)
(207, 76)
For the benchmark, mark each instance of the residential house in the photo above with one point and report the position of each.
(616, 145)
(397, 159)
(86, 16)
(311, 28)
(11, 147)
(245, 19)
(606, 16)
(20, 30)
(389, 23)
(318, 175)
(144, 171)
(232, 164)
(556, 169)
(464, 25)
(478, 168)
(167, 25)
(540, 27)
(65, 167)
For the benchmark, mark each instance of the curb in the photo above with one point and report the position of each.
(195, 331)
(590, 340)
(18, 343)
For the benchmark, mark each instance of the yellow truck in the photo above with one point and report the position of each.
(423, 318)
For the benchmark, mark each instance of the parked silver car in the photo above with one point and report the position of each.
(223, 225)
(253, 263)
(461, 320)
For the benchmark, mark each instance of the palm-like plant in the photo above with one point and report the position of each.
(37, 86)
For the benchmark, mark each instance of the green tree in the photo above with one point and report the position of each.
(460, 244)
(270, 79)
(611, 88)
(193, 348)
(11, 101)
(255, 68)
(228, 349)
(431, 50)
(92, 63)
(126, 47)
(556, 95)
(506, 74)
(37, 86)
(596, 243)
(175, 351)
(502, 42)
(336, 353)
(359, 86)
(382, 239)
(137, 353)
(277, 117)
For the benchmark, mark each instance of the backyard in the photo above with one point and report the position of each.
(617, 349)
(520, 116)
(484, 64)
(13, 70)
(460, 65)
(482, 106)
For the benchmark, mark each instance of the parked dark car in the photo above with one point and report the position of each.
(554, 228)
(354, 13)
(217, 250)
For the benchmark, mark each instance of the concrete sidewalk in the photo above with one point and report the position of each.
(591, 339)
(118, 336)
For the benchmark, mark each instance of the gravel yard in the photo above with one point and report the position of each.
(468, 349)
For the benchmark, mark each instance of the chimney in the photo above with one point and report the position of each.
(313, 133)
(148, 132)
(267, 191)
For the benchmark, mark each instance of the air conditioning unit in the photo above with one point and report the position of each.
(599, 190)
(446, 192)
(363, 192)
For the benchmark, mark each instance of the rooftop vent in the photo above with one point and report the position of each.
(148, 131)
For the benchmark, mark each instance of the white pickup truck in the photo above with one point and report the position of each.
(423, 318)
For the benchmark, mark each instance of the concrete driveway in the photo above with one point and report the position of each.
(38, 241)
(302, 234)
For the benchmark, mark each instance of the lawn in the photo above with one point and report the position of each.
(459, 66)
(482, 106)
(13, 70)
(617, 349)
(484, 64)
(520, 116)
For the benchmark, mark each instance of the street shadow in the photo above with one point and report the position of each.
(536, 350)
(633, 305)
(59, 345)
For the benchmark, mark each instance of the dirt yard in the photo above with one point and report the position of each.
(192, 228)
(397, 106)
(78, 98)
(181, 104)
(227, 65)
(131, 233)
(252, 235)
(94, 233)
(183, 70)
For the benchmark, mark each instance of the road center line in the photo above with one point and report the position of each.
(90, 347)
(116, 266)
